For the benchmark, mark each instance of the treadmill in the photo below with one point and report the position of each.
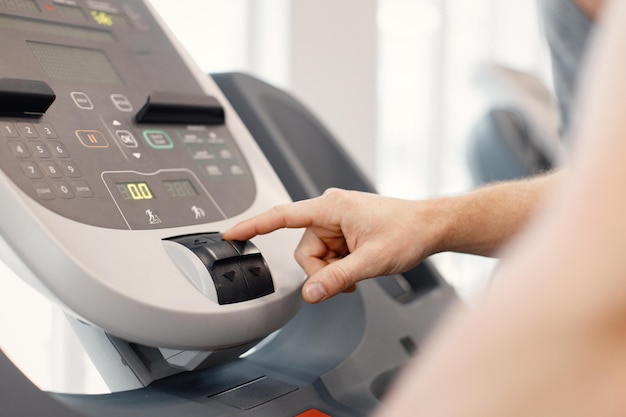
(121, 163)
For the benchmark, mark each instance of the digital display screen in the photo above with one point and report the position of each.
(180, 188)
(70, 63)
(134, 190)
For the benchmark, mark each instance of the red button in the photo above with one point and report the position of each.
(312, 413)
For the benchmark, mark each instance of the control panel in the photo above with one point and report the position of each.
(126, 145)
(120, 163)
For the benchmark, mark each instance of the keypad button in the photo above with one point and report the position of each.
(8, 130)
(213, 170)
(121, 102)
(82, 100)
(44, 190)
(27, 130)
(126, 138)
(39, 149)
(203, 155)
(51, 169)
(19, 149)
(158, 139)
(226, 154)
(63, 189)
(82, 189)
(215, 139)
(70, 169)
(31, 169)
(236, 170)
(92, 139)
(59, 150)
(47, 131)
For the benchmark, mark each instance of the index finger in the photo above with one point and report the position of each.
(293, 215)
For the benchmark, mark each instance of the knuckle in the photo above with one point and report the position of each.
(334, 192)
(299, 256)
(278, 209)
(339, 277)
(279, 212)
(336, 196)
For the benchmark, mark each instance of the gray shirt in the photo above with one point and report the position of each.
(567, 30)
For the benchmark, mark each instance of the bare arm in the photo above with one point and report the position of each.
(351, 236)
(482, 221)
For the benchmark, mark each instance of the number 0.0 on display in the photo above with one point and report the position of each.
(135, 191)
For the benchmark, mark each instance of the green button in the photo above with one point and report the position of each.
(158, 139)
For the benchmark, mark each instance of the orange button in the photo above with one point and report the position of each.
(312, 413)
(92, 139)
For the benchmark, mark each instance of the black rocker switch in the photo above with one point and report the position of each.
(24, 97)
(236, 268)
(170, 107)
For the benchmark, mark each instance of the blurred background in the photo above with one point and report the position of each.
(401, 84)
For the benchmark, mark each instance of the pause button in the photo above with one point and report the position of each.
(92, 139)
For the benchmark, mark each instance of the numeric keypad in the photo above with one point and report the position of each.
(43, 160)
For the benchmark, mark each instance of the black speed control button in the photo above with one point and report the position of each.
(237, 269)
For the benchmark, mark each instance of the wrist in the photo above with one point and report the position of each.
(434, 219)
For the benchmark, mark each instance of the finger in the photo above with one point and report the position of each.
(338, 276)
(294, 215)
(313, 253)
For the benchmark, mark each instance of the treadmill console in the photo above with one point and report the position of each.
(111, 128)
(121, 163)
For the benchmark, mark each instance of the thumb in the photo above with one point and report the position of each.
(336, 277)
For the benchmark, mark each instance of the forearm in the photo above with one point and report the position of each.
(482, 221)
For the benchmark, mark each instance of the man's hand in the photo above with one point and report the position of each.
(349, 236)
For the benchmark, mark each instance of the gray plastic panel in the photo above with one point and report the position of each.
(88, 194)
